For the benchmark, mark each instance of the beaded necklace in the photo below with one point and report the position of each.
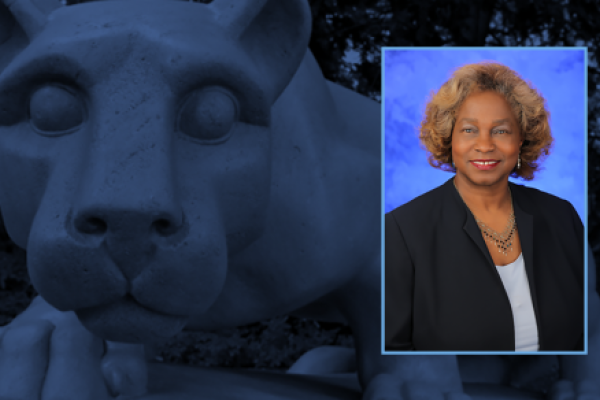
(502, 240)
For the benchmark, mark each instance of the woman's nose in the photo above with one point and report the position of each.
(485, 143)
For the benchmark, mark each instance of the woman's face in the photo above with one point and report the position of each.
(486, 139)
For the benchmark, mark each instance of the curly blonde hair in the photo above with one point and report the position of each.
(527, 104)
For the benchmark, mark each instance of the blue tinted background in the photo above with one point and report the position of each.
(411, 74)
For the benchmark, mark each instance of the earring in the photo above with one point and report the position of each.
(519, 162)
(453, 166)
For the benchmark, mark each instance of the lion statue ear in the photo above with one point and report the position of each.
(20, 22)
(275, 33)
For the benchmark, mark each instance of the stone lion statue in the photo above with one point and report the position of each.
(173, 165)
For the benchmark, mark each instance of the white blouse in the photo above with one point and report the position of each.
(514, 278)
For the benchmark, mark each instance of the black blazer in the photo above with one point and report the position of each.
(442, 289)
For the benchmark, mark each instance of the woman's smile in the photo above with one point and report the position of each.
(484, 165)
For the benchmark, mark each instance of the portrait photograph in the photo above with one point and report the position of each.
(484, 200)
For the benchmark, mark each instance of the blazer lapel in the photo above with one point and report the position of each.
(525, 229)
(472, 229)
(474, 233)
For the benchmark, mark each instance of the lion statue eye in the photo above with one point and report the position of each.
(209, 115)
(55, 110)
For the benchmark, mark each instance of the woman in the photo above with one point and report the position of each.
(480, 263)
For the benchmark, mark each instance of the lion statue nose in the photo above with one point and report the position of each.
(131, 237)
(123, 222)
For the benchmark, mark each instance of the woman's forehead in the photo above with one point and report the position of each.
(485, 107)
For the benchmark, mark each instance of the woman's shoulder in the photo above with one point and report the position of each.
(421, 205)
(536, 198)
(559, 211)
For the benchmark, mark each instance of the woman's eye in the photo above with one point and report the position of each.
(53, 110)
(501, 131)
(209, 115)
(468, 130)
